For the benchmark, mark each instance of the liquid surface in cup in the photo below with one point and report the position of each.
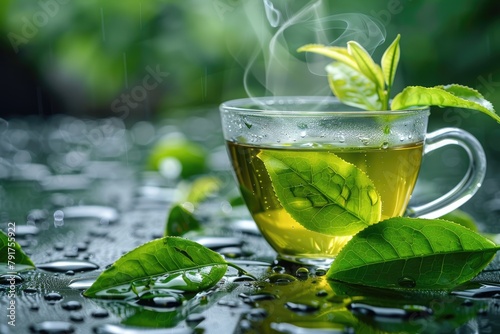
(393, 171)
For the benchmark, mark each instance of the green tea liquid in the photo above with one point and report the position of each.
(393, 170)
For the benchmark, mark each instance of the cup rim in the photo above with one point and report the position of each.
(240, 106)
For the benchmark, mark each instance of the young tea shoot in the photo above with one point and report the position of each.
(357, 80)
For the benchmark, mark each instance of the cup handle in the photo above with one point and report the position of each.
(470, 183)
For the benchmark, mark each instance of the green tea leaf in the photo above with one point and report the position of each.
(338, 53)
(199, 267)
(469, 94)
(413, 253)
(389, 62)
(443, 96)
(322, 192)
(352, 87)
(12, 257)
(366, 64)
(180, 221)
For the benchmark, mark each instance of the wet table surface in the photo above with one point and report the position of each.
(80, 197)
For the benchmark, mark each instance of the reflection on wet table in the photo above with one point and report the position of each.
(81, 194)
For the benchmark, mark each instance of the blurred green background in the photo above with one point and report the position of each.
(149, 59)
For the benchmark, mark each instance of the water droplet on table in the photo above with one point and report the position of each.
(52, 327)
(106, 215)
(8, 279)
(53, 296)
(71, 305)
(281, 279)
(407, 311)
(257, 314)
(76, 317)
(100, 313)
(26, 230)
(283, 327)
(121, 329)
(160, 299)
(253, 298)
(301, 307)
(63, 266)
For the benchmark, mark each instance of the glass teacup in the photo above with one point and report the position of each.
(309, 167)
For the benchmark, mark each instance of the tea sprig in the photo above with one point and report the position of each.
(358, 81)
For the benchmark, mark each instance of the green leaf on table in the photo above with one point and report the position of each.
(170, 262)
(180, 221)
(352, 87)
(12, 257)
(323, 192)
(390, 61)
(413, 253)
(455, 96)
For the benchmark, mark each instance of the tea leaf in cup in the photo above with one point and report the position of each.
(323, 192)
(197, 267)
(413, 253)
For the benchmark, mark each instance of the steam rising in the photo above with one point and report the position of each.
(275, 68)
